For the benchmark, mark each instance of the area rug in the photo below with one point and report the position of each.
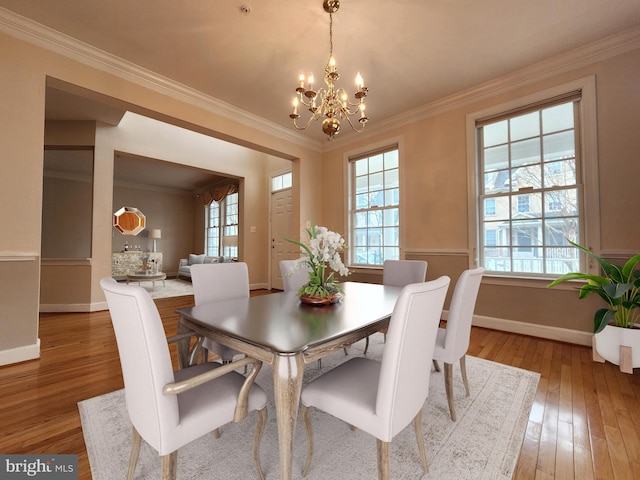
(483, 444)
(171, 288)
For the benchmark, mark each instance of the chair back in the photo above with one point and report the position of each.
(403, 385)
(294, 274)
(144, 358)
(403, 272)
(463, 303)
(219, 281)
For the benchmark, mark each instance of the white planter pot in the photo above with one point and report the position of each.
(607, 343)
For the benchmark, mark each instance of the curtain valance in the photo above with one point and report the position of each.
(218, 193)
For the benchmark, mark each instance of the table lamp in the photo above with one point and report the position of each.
(155, 233)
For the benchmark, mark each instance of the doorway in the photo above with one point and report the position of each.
(281, 221)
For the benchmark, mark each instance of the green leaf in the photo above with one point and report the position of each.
(601, 319)
(616, 290)
(628, 268)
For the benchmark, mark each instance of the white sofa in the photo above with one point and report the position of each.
(184, 268)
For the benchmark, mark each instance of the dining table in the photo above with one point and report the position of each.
(280, 330)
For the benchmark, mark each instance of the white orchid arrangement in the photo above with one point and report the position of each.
(323, 250)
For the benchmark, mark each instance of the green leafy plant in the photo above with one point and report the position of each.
(321, 255)
(619, 287)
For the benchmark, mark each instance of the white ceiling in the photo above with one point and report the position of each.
(410, 52)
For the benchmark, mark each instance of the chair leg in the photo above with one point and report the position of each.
(366, 345)
(262, 421)
(417, 423)
(169, 466)
(448, 385)
(383, 460)
(319, 364)
(136, 440)
(436, 366)
(463, 370)
(306, 416)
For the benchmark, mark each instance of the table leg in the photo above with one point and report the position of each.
(184, 359)
(287, 385)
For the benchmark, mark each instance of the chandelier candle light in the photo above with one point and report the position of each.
(330, 102)
(322, 251)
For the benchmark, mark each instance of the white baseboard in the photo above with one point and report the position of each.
(20, 354)
(534, 330)
(72, 307)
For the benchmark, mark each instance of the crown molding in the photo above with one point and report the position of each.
(42, 36)
(26, 29)
(591, 53)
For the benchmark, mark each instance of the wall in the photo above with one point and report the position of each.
(26, 70)
(171, 212)
(434, 213)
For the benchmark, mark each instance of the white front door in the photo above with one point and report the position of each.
(281, 219)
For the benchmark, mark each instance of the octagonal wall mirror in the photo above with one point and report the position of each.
(129, 221)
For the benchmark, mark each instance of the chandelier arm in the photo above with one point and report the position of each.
(359, 130)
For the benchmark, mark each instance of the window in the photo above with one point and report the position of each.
(529, 188)
(226, 223)
(230, 239)
(374, 216)
(280, 182)
(212, 246)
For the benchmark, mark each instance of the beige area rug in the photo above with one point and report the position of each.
(171, 288)
(483, 444)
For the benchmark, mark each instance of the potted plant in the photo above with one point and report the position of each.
(322, 256)
(616, 329)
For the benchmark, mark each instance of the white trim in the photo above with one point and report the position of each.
(20, 354)
(65, 262)
(42, 36)
(73, 307)
(17, 257)
(348, 180)
(590, 214)
(445, 252)
(533, 330)
(597, 51)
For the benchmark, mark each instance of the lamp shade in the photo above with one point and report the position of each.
(155, 233)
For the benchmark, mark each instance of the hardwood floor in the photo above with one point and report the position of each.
(585, 422)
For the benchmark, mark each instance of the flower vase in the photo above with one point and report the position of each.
(318, 300)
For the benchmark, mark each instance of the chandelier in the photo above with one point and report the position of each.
(330, 102)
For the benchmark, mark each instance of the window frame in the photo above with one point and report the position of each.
(587, 147)
(223, 245)
(349, 158)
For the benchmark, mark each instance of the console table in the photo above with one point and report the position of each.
(123, 263)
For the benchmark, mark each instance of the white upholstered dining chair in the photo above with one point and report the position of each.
(293, 276)
(382, 398)
(171, 409)
(214, 282)
(453, 341)
(399, 273)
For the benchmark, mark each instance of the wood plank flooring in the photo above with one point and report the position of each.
(584, 424)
